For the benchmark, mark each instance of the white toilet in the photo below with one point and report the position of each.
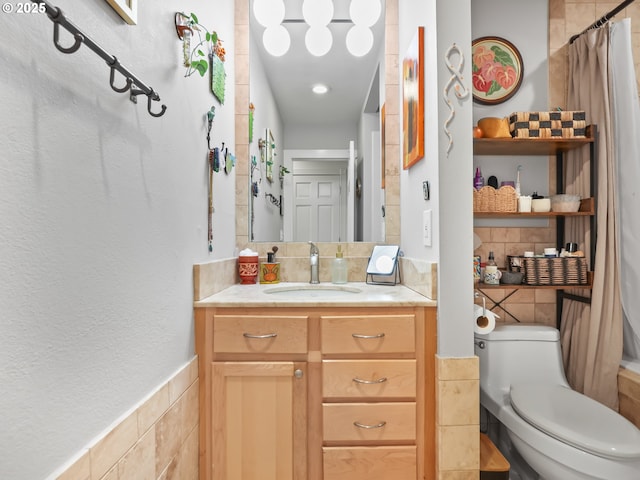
(560, 433)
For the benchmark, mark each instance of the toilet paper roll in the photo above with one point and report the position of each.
(483, 324)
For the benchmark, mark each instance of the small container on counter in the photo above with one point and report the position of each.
(248, 266)
(270, 270)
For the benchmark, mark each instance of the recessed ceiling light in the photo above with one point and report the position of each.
(320, 89)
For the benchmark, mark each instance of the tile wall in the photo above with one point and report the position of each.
(157, 441)
(566, 18)
(457, 418)
(629, 393)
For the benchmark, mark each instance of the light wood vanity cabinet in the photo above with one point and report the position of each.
(316, 393)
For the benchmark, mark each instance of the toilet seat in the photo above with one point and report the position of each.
(577, 420)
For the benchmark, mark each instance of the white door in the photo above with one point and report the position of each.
(317, 212)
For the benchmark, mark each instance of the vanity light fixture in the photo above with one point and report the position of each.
(359, 40)
(364, 14)
(318, 14)
(318, 40)
(276, 40)
(320, 89)
(268, 13)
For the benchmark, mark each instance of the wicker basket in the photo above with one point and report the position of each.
(488, 199)
(564, 124)
(553, 270)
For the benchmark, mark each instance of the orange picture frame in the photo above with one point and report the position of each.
(413, 101)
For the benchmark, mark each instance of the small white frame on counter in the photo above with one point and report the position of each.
(127, 9)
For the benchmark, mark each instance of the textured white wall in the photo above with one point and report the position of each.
(102, 215)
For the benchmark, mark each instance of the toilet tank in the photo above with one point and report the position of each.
(519, 353)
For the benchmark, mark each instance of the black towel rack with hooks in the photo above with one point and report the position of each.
(132, 84)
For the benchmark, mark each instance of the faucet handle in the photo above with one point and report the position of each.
(314, 249)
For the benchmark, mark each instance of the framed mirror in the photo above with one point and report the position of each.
(389, 147)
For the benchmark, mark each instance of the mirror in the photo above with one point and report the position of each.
(292, 149)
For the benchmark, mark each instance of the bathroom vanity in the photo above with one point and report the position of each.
(316, 382)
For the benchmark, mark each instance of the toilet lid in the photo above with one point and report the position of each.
(577, 420)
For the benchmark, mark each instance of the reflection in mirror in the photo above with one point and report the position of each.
(309, 151)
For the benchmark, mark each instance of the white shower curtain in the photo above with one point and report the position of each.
(626, 122)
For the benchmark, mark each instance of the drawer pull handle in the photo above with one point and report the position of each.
(370, 382)
(267, 335)
(357, 335)
(362, 425)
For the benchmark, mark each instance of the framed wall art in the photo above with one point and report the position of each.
(497, 70)
(413, 101)
(127, 9)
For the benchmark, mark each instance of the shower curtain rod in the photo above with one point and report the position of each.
(604, 19)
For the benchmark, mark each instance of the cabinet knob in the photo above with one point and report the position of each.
(298, 373)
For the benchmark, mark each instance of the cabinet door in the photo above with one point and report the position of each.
(259, 421)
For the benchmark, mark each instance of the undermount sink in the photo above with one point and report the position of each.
(312, 291)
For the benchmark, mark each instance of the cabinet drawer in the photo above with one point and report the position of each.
(369, 422)
(369, 379)
(369, 463)
(369, 334)
(259, 334)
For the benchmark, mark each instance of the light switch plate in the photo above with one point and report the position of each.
(426, 228)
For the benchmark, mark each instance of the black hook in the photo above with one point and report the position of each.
(155, 97)
(56, 36)
(114, 65)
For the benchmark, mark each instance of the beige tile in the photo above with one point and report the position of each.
(579, 16)
(151, 410)
(460, 368)
(168, 435)
(184, 466)
(112, 474)
(459, 447)
(629, 383)
(545, 314)
(459, 475)
(522, 296)
(505, 235)
(556, 9)
(80, 470)
(181, 381)
(139, 463)
(522, 312)
(458, 402)
(106, 453)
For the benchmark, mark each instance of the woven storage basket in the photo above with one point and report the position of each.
(555, 270)
(488, 199)
(563, 124)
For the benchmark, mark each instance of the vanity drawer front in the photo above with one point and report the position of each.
(369, 379)
(259, 334)
(368, 334)
(369, 463)
(369, 422)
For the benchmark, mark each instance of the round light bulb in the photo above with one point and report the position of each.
(268, 13)
(317, 13)
(359, 40)
(276, 40)
(318, 40)
(365, 12)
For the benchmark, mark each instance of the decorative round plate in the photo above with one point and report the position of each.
(497, 70)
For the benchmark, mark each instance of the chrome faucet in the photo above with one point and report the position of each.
(314, 257)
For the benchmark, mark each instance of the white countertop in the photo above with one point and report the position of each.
(289, 294)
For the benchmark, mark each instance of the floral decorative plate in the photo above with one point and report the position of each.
(497, 70)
